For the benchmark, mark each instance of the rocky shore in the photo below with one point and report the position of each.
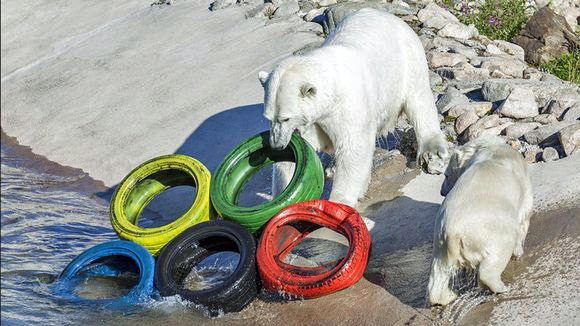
(481, 86)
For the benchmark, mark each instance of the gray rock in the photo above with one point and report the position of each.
(465, 120)
(308, 47)
(458, 30)
(531, 153)
(315, 15)
(307, 27)
(220, 4)
(287, 9)
(464, 72)
(494, 90)
(492, 49)
(477, 129)
(326, 3)
(545, 133)
(519, 104)
(570, 138)
(545, 119)
(435, 17)
(453, 46)
(532, 73)
(427, 42)
(504, 64)
(434, 79)
(306, 6)
(546, 77)
(451, 98)
(559, 106)
(514, 143)
(444, 59)
(519, 129)
(259, 10)
(550, 154)
(480, 108)
(510, 48)
(573, 113)
(277, 3)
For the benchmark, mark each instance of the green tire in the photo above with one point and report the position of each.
(251, 156)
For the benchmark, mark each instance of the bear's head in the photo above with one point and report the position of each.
(293, 99)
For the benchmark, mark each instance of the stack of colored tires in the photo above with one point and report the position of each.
(187, 242)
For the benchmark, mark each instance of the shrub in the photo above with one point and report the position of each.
(566, 67)
(496, 19)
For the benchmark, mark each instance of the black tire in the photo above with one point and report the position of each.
(198, 242)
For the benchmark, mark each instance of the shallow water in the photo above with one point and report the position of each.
(49, 215)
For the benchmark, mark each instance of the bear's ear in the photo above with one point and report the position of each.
(263, 77)
(307, 90)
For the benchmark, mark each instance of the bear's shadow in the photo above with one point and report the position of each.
(402, 247)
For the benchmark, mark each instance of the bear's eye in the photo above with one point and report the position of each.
(284, 120)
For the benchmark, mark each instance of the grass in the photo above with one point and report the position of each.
(566, 67)
(496, 19)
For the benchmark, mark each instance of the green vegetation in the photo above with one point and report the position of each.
(496, 19)
(566, 67)
(449, 119)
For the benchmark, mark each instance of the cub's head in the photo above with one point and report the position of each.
(462, 158)
(293, 99)
(453, 171)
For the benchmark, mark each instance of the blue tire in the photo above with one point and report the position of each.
(85, 265)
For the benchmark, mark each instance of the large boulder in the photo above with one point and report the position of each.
(519, 129)
(546, 36)
(570, 139)
(436, 17)
(450, 99)
(510, 48)
(444, 59)
(454, 46)
(546, 133)
(480, 108)
(519, 104)
(499, 89)
(465, 120)
(464, 73)
(507, 65)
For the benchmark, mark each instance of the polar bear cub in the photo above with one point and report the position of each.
(341, 96)
(484, 218)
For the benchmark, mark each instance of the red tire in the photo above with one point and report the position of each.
(290, 226)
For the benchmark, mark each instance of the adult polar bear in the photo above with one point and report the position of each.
(341, 96)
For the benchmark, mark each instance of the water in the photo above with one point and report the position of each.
(49, 215)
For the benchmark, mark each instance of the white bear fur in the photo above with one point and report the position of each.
(484, 218)
(353, 88)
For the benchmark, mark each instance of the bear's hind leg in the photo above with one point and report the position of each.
(439, 290)
(490, 270)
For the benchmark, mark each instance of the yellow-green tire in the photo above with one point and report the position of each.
(149, 180)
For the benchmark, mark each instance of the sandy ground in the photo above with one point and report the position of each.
(105, 87)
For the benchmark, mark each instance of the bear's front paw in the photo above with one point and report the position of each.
(433, 155)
